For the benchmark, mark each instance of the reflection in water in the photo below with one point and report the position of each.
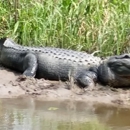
(28, 114)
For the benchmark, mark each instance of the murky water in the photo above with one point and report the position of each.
(28, 114)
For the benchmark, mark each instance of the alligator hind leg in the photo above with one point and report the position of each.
(30, 65)
(86, 79)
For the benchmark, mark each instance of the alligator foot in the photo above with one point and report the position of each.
(74, 87)
(87, 79)
(30, 65)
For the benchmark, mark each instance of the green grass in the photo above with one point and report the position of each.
(87, 25)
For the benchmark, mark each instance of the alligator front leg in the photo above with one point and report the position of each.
(30, 65)
(86, 79)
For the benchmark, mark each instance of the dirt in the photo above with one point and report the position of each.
(14, 85)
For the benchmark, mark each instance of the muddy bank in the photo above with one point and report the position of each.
(13, 85)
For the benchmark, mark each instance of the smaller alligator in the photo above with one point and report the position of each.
(62, 64)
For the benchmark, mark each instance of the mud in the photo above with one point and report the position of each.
(14, 85)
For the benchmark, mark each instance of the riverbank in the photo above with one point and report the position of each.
(13, 85)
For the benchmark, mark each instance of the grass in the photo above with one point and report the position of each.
(87, 25)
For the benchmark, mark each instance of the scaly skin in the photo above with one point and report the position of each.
(61, 64)
(49, 63)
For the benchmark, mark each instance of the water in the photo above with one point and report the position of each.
(29, 114)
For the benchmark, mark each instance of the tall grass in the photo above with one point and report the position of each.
(87, 25)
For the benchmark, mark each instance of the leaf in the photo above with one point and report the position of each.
(52, 108)
(16, 27)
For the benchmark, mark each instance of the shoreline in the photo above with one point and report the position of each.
(13, 85)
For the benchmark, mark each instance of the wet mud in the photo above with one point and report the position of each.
(14, 85)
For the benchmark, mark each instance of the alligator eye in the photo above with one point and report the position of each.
(126, 56)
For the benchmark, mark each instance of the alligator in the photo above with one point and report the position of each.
(62, 64)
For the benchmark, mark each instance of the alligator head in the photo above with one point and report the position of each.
(115, 71)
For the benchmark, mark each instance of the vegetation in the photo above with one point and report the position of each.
(92, 125)
(88, 25)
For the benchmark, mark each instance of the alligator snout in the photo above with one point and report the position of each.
(124, 56)
(119, 57)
